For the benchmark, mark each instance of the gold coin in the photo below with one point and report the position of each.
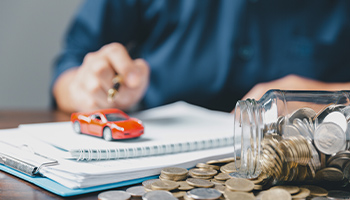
(230, 167)
(315, 190)
(279, 194)
(196, 182)
(303, 193)
(330, 174)
(184, 186)
(203, 172)
(258, 187)
(217, 182)
(206, 166)
(179, 194)
(257, 180)
(220, 188)
(239, 184)
(222, 177)
(289, 188)
(230, 195)
(164, 185)
(174, 171)
(222, 161)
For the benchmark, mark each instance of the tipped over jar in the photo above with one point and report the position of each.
(294, 136)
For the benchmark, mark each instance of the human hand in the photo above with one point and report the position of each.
(292, 82)
(85, 88)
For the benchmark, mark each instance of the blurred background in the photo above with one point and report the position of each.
(31, 34)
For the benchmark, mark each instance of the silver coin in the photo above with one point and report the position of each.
(338, 194)
(204, 193)
(346, 171)
(324, 112)
(339, 159)
(302, 127)
(302, 113)
(346, 112)
(290, 130)
(114, 195)
(157, 195)
(136, 191)
(149, 182)
(329, 138)
(337, 118)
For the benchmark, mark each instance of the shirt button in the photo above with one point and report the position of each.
(245, 52)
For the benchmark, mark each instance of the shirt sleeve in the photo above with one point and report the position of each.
(96, 23)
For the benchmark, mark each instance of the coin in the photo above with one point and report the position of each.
(174, 171)
(338, 194)
(329, 138)
(337, 118)
(222, 161)
(339, 159)
(196, 182)
(330, 174)
(203, 165)
(290, 130)
(136, 191)
(324, 112)
(315, 190)
(157, 195)
(346, 171)
(222, 177)
(179, 194)
(220, 188)
(148, 182)
(239, 184)
(302, 113)
(164, 185)
(204, 193)
(238, 195)
(303, 193)
(279, 194)
(217, 182)
(303, 129)
(289, 188)
(229, 167)
(184, 186)
(203, 172)
(114, 195)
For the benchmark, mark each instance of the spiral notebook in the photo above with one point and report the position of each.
(174, 128)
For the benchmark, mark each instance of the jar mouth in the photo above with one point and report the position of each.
(248, 126)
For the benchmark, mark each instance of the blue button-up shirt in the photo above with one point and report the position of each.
(211, 52)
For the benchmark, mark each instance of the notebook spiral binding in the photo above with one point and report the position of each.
(142, 151)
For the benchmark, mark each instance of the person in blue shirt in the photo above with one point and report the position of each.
(206, 52)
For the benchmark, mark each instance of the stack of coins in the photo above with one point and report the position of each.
(173, 174)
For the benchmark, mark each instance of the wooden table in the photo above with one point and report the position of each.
(12, 187)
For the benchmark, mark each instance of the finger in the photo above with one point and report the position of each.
(128, 97)
(121, 62)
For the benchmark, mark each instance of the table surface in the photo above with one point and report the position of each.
(12, 187)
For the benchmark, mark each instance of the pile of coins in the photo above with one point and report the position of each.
(216, 179)
(308, 146)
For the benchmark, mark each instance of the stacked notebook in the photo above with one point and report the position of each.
(178, 134)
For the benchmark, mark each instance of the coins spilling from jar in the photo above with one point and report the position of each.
(227, 184)
(306, 145)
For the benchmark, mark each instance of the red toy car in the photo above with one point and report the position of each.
(109, 124)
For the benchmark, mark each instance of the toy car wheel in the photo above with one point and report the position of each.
(76, 127)
(107, 134)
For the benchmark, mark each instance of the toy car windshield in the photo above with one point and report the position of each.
(113, 117)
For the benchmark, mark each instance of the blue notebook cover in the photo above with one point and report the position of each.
(63, 191)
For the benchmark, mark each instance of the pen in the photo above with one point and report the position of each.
(117, 80)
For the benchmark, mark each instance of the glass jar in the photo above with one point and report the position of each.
(293, 135)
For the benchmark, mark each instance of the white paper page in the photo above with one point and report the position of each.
(175, 123)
